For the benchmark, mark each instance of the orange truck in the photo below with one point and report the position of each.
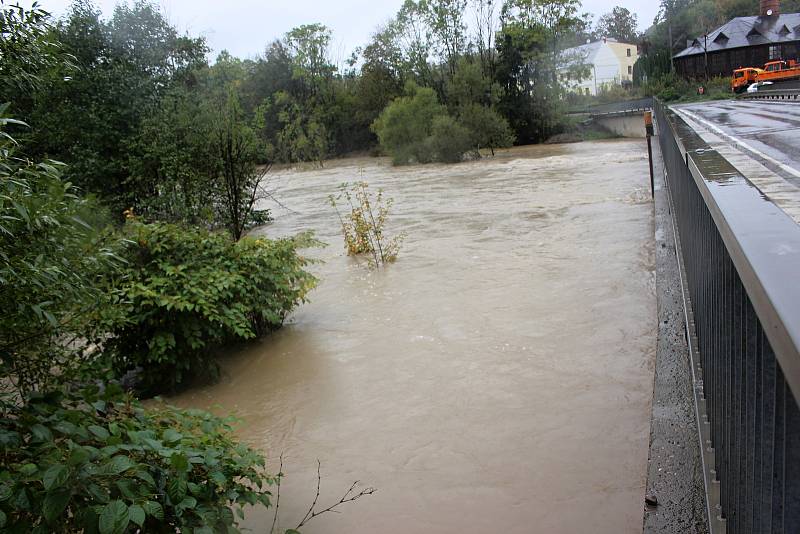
(774, 71)
(743, 78)
(778, 71)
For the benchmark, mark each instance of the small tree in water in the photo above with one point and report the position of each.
(363, 227)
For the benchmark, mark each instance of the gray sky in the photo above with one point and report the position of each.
(244, 27)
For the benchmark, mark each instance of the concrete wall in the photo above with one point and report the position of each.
(624, 125)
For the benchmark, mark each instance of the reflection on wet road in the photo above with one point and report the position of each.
(770, 129)
(497, 378)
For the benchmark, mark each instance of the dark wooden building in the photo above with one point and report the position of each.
(742, 42)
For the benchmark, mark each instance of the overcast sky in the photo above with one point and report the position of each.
(244, 27)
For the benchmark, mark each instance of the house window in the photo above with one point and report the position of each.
(774, 52)
(629, 52)
(630, 69)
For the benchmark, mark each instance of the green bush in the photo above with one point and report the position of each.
(186, 292)
(417, 129)
(51, 253)
(91, 460)
(405, 125)
(488, 129)
(449, 140)
(95, 461)
(672, 88)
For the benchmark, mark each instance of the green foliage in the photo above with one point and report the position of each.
(619, 24)
(404, 127)
(96, 462)
(651, 65)
(89, 115)
(186, 292)
(363, 227)
(172, 156)
(470, 84)
(449, 140)
(200, 159)
(488, 129)
(50, 255)
(26, 53)
(297, 120)
(300, 136)
(308, 46)
(238, 179)
(417, 129)
(672, 88)
(528, 65)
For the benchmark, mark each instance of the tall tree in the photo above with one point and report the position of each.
(89, 114)
(553, 19)
(416, 41)
(531, 37)
(486, 24)
(308, 46)
(239, 178)
(445, 18)
(620, 24)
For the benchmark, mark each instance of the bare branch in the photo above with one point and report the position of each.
(349, 496)
(310, 512)
(277, 497)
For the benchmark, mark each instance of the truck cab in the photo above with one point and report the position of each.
(743, 78)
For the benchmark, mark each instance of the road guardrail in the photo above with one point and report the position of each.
(791, 95)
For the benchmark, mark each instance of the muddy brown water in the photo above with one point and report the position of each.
(497, 378)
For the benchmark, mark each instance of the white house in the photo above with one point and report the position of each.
(609, 62)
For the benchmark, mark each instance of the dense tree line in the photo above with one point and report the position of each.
(143, 117)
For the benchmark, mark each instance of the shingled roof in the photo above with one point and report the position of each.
(748, 31)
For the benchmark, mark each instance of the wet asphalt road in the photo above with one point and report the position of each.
(768, 130)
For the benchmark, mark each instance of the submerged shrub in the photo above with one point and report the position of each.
(487, 127)
(416, 128)
(363, 226)
(406, 123)
(186, 292)
(449, 140)
(95, 461)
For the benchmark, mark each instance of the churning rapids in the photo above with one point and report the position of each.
(497, 378)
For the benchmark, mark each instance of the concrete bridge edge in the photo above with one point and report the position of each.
(675, 469)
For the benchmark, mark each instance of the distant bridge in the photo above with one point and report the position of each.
(622, 118)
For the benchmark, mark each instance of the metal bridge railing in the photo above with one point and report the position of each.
(741, 271)
(790, 95)
(618, 108)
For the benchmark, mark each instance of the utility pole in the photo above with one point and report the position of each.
(705, 53)
(648, 125)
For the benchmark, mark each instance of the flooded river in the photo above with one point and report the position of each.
(497, 378)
